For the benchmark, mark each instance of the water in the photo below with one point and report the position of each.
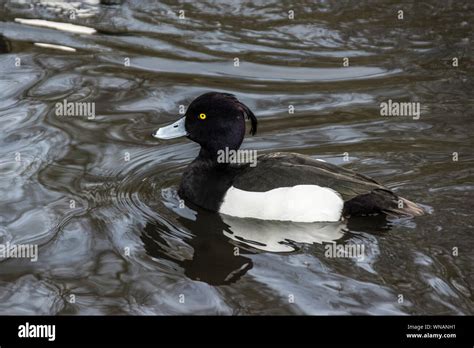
(98, 196)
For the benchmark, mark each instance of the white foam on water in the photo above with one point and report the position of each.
(73, 28)
(56, 47)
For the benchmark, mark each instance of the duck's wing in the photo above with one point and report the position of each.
(361, 194)
(291, 169)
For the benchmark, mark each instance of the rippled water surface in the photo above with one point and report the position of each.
(99, 195)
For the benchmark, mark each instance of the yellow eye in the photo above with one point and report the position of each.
(202, 116)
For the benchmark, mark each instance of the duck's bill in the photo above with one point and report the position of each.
(174, 130)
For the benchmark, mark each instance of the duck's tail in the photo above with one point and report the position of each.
(382, 200)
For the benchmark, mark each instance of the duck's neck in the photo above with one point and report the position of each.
(206, 155)
(206, 180)
(214, 147)
(214, 156)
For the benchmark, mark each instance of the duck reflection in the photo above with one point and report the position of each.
(5, 45)
(222, 244)
(215, 259)
(281, 236)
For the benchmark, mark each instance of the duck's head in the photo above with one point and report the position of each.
(213, 120)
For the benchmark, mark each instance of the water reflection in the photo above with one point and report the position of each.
(5, 46)
(282, 63)
(215, 260)
(222, 244)
(281, 236)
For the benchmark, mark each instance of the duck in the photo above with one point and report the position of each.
(281, 186)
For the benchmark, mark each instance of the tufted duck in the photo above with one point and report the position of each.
(282, 186)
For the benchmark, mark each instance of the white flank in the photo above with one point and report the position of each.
(301, 203)
(56, 47)
(73, 28)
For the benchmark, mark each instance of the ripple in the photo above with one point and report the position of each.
(99, 196)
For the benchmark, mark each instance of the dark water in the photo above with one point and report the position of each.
(99, 195)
